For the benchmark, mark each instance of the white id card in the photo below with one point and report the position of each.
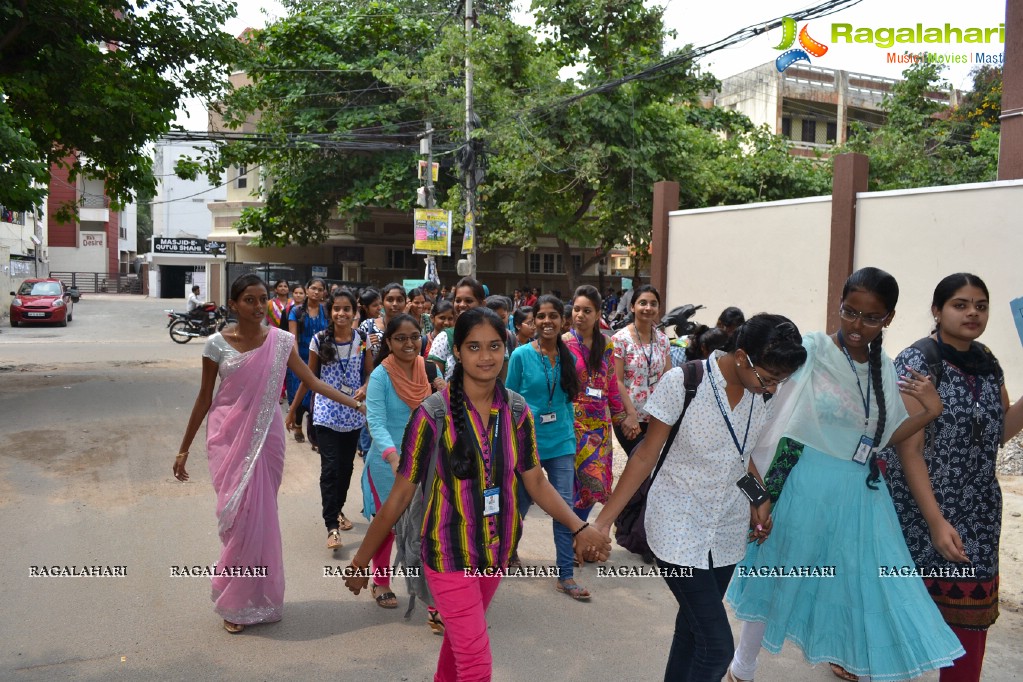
(549, 418)
(347, 390)
(594, 393)
(863, 450)
(491, 501)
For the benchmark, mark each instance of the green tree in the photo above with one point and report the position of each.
(923, 143)
(95, 81)
(334, 136)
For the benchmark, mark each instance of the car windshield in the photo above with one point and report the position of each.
(40, 289)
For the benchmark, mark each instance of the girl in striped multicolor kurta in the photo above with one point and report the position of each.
(472, 522)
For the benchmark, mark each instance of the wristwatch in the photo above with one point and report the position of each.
(358, 404)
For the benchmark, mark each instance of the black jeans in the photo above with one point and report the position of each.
(629, 443)
(703, 646)
(337, 460)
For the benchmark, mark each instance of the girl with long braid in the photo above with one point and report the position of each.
(338, 355)
(544, 373)
(834, 520)
(471, 524)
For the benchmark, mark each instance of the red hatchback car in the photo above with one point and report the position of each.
(43, 300)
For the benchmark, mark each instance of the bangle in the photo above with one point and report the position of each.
(581, 529)
(182, 454)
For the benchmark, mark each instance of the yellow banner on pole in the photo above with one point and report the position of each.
(432, 232)
(469, 237)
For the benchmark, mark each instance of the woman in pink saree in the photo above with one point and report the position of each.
(245, 441)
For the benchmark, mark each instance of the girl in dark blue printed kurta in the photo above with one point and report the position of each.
(943, 480)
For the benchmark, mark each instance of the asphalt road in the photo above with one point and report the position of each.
(92, 415)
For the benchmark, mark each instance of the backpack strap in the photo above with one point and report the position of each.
(693, 372)
(932, 357)
(518, 406)
(431, 373)
(438, 409)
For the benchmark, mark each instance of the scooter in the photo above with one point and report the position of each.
(203, 321)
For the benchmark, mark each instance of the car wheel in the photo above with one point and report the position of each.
(179, 331)
(14, 323)
(62, 323)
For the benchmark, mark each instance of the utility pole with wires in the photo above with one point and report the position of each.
(470, 160)
(426, 196)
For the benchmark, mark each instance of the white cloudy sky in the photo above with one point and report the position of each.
(701, 23)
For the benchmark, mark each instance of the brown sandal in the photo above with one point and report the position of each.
(233, 628)
(299, 438)
(842, 674)
(344, 523)
(434, 621)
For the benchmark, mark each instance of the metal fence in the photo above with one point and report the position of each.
(101, 282)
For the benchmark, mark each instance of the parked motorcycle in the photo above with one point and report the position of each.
(203, 321)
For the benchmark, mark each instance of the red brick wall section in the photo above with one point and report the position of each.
(61, 192)
(113, 255)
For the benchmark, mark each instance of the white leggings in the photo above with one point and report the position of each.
(744, 662)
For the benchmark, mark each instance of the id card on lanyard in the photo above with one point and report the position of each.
(550, 375)
(867, 443)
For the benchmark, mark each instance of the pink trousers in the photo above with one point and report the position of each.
(462, 601)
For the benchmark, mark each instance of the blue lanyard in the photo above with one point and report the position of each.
(859, 386)
(728, 423)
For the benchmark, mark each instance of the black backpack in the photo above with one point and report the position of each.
(932, 356)
(630, 529)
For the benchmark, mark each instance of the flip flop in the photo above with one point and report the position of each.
(385, 600)
(333, 539)
(434, 621)
(345, 524)
(575, 591)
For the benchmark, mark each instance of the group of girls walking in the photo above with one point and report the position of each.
(745, 487)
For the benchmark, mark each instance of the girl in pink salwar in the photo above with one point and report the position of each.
(245, 440)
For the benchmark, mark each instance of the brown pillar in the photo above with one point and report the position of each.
(850, 177)
(665, 201)
(1010, 152)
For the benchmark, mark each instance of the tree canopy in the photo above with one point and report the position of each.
(924, 143)
(88, 84)
(342, 93)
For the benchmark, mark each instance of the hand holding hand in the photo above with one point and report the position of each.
(355, 579)
(761, 522)
(591, 544)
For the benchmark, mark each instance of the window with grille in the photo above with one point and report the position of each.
(243, 181)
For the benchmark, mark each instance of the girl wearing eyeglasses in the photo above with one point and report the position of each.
(835, 515)
(397, 386)
(943, 480)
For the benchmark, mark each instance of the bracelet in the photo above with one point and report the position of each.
(182, 454)
(581, 529)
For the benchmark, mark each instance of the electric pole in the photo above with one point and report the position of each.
(470, 166)
(428, 199)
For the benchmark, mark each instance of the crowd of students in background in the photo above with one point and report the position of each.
(463, 396)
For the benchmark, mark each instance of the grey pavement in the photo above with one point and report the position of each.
(92, 415)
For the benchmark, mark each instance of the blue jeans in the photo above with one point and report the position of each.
(561, 474)
(702, 646)
(365, 440)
